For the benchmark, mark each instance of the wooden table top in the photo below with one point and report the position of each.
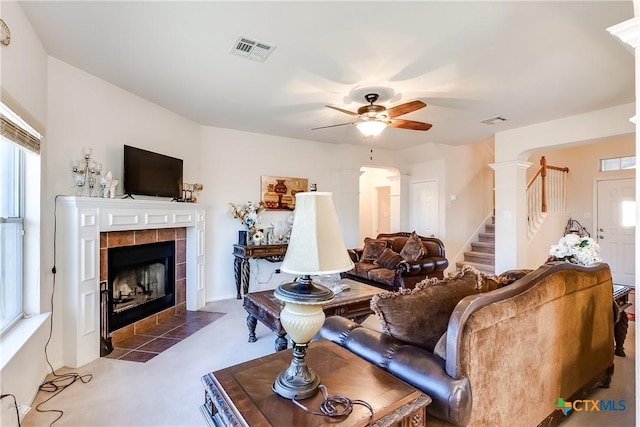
(357, 292)
(246, 389)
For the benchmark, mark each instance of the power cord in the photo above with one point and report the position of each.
(15, 404)
(61, 381)
(335, 406)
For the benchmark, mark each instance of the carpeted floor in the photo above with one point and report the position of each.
(166, 390)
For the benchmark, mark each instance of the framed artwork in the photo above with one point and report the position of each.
(278, 192)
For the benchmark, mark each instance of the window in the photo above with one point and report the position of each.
(16, 136)
(11, 232)
(617, 163)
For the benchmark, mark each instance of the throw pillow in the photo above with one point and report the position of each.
(389, 259)
(412, 249)
(373, 249)
(420, 316)
(510, 276)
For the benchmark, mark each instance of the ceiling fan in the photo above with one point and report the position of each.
(372, 118)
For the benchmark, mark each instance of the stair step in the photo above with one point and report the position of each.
(490, 228)
(480, 257)
(487, 237)
(490, 269)
(487, 247)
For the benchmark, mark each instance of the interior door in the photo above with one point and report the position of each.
(615, 231)
(424, 208)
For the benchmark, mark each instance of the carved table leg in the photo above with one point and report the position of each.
(281, 342)
(237, 262)
(251, 324)
(246, 271)
(620, 333)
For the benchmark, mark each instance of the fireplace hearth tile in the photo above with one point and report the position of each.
(181, 233)
(170, 330)
(133, 342)
(138, 356)
(157, 330)
(159, 344)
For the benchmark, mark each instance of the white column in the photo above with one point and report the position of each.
(347, 203)
(399, 195)
(511, 214)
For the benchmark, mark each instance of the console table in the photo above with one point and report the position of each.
(621, 300)
(241, 395)
(243, 253)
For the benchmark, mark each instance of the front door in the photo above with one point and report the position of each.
(615, 232)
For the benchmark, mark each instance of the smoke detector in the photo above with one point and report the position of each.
(252, 49)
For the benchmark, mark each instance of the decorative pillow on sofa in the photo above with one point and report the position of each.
(389, 259)
(373, 249)
(420, 316)
(412, 249)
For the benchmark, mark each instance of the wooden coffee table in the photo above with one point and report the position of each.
(241, 395)
(353, 303)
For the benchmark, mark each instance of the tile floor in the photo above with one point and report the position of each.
(150, 342)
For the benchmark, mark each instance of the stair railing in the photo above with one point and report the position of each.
(546, 192)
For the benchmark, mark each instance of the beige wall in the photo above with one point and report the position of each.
(583, 162)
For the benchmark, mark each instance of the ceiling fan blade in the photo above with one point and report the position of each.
(351, 113)
(409, 124)
(332, 126)
(405, 108)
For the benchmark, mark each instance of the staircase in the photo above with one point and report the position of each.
(483, 252)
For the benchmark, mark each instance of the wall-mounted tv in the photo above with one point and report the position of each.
(151, 174)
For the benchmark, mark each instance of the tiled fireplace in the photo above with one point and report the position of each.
(88, 228)
(144, 272)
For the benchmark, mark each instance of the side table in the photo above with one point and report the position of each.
(241, 395)
(354, 303)
(243, 253)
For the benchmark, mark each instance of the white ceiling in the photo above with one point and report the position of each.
(528, 62)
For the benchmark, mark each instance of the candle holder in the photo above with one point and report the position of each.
(86, 174)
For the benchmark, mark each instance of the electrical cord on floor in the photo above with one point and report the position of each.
(335, 406)
(61, 381)
(15, 403)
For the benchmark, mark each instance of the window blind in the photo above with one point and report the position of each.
(20, 136)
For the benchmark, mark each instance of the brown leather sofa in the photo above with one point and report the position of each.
(509, 354)
(407, 273)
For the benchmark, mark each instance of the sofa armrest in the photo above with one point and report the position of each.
(451, 398)
(355, 254)
(423, 266)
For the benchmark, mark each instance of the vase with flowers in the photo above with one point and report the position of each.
(582, 250)
(249, 215)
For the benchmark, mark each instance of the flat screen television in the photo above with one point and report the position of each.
(151, 174)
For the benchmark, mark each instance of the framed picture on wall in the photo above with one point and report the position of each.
(278, 192)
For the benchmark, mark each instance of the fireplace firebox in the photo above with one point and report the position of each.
(141, 282)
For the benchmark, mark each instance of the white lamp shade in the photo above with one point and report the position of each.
(316, 245)
(371, 128)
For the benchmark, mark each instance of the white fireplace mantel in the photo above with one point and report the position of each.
(80, 220)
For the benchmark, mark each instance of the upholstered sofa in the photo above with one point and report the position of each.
(508, 353)
(397, 260)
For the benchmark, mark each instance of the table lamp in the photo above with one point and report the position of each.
(316, 247)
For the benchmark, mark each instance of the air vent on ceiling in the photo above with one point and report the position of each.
(252, 49)
(493, 120)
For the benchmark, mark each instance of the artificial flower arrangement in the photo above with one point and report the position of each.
(575, 249)
(248, 214)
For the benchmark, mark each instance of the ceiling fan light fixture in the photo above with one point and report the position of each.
(371, 128)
